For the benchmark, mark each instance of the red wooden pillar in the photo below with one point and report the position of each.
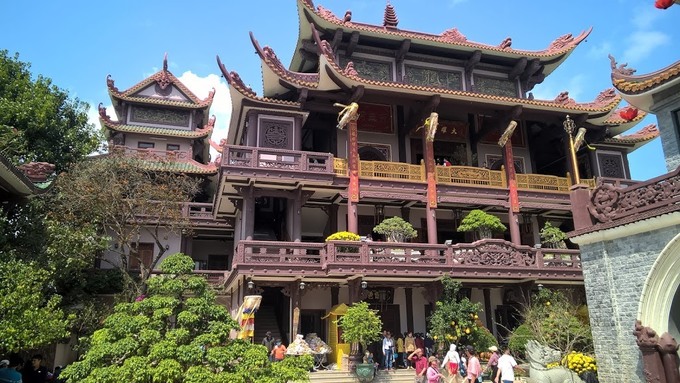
(353, 159)
(430, 169)
(513, 212)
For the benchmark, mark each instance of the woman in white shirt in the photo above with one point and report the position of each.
(452, 362)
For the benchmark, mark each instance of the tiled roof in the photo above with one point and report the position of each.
(616, 119)
(606, 101)
(452, 37)
(164, 78)
(626, 82)
(235, 82)
(188, 167)
(307, 80)
(166, 132)
(645, 134)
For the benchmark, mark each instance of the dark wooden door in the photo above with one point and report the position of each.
(389, 314)
(143, 252)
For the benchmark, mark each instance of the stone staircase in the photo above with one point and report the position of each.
(265, 320)
(396, 376)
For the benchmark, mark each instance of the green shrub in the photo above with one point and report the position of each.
(519, 339)
(481, 223)
(396, 229)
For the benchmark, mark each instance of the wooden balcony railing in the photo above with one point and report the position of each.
(490, 257)
(153, 154)
(392, 170)
(543, 182)
(467, 175)
(278, 159)
(199, 211)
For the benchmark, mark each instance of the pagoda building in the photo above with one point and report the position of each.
(162, 122)
(432, 126)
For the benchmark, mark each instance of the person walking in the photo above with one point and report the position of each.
(432, 373)
(419, 361)
(474, 369)
(493, 361)
(506, 368)
(399, 355)
(279, 351)
(268, 341)
(9, 374)
(452, 362)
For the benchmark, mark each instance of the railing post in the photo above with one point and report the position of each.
(254, 158)
(448, 253)
(304, 161)
(539, 258)
(363, 253)
(240, 253)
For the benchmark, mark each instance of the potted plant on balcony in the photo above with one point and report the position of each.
(345, 236)
(552, 237)
(395, 229)
(360, 326)
(481, 224)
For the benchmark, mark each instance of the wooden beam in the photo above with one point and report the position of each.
(357, 94)
(302, 96)
(531, 69)
(338, 81)
(518, 69)
(308, 56)
(353, 41)
(403, 50)
(473, 61)
(337, 39)
(310, 47)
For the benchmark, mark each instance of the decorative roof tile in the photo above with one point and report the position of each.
(606, 101)
(616, 119)
(163, 79)
(269, 57)
(235, 81)
(645, 134)
(559, 46)
(626, 82)
(107, 123)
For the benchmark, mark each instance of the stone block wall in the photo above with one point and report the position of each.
(615, 272)
(667, 110)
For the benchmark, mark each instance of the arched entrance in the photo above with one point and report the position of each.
(660, 301)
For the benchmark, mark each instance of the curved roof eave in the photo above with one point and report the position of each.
(600, 110)
(551, 57)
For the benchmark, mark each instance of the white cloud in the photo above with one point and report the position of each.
(645, 16)
(642, 43)
(575, 86)
(600, 51)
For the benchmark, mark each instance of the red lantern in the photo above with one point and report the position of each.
(663, 4)
(628, 113)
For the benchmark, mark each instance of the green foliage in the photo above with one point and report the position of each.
(116, 198)
(552, 236)
(360, 324)
(396, 229)
(40, 121)
(30, 317)
(519, 338)
(455, 319)
(343, 236)
(482, 339)
(178, 333)
(481, 223)
(556, 322)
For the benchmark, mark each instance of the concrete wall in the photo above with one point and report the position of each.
(615, 272)
(171, 240)
(667, 114)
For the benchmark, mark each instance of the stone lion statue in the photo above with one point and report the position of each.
(539, 356)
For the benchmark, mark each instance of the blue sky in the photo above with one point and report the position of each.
(77, 43)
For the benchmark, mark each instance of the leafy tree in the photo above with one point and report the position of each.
(40, 121)
(557, 322)
(177, 333)
(396, 229)
(552, 237)
(481, 223)
(360, 325)
(455, 319)
(30, 318)
(121, 197)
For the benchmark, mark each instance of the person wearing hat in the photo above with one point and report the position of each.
(9, 373)
(474, 369)
(452, 362)
(493, 361)
(432, 373)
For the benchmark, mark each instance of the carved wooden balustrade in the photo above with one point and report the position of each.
(468, 175)
(659, 195)
(153, 154)
(276, 159)
(542, 182)
(199, 211)
(485, 258)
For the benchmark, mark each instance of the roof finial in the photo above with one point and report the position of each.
(390, 20)
(165, 62)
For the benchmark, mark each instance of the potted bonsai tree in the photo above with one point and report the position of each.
(360, 326)
(395, 229)
(552, 237)
(481, 224)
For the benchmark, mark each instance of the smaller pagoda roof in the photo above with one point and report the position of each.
(617, 124)
(166, 161)
(638, 90)
(451, 39)
(107, 123)
(24, 180)
(244, 98)
(635, 140)
(187, 167)
(168, 90)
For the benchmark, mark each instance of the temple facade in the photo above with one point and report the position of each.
(343, 137)
(368, 122)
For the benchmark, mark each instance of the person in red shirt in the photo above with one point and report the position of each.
(419, 360)
(279, 351)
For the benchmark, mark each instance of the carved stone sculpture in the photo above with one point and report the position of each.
(539, 356)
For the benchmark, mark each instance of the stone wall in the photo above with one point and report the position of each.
(667, 109)
(615, 272)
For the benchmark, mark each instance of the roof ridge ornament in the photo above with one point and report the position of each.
(110, 83)
(390, 20)
(621, 69)
(349, 69)
(165, 62)
(506, 43)
(453, 35)
(564, 99)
